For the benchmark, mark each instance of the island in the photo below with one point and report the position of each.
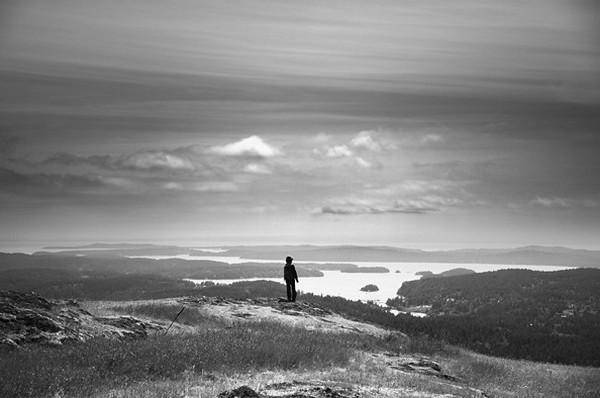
(369, 288)
(451, 272)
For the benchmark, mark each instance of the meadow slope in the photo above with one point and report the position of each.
(277, 349)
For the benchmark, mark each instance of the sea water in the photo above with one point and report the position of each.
(348, 285)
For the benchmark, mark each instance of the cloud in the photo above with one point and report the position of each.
(70, 160)
(432, 139)
(338, 151)
(365, 140)
(563, 203)
(363, 163)
(355, 206)
(255, 168)
(359, 149)
(152, 172)
(207, 186)
(8, 145)
(400, 208)
(54, 185)
(408, 197)
(179, 159)
(321, 138)
(251, 146)
(156, 160)
(49, 184)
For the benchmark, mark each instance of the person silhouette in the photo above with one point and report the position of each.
(291, 277)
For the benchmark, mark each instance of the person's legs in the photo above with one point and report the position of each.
(293, 283)
(288, 286)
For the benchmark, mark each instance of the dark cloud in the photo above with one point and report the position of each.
(41, 185)
(8, 146)
(70, 160)
(184, 160)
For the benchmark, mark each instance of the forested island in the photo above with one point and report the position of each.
(369, 288)
(452, 272)
(547, 316)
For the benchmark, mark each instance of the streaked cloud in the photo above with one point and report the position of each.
(361, 209)
(411, 197)
(563, 203)
(179, 159)
(156, 159)
(40, 185)
(206, 186)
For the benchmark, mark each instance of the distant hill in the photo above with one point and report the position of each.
(526, 255)
(170, 267)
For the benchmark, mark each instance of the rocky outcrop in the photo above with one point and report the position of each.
(240, 392)
(329, 389)
(298, 314)
(415, 364)
(297, 308)
(27, 318)
(293, 390)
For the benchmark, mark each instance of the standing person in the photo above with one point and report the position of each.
(291, 277)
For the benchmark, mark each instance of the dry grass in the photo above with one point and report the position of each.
(507, 378)
(83, 369)
(213, 359)
(167, 312)
(494, 376)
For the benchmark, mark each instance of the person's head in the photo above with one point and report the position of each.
(288, 260)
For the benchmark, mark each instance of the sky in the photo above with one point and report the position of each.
(425, 124)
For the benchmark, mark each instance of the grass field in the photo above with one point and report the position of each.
(98, 364)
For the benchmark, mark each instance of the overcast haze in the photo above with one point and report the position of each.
(428, 124)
